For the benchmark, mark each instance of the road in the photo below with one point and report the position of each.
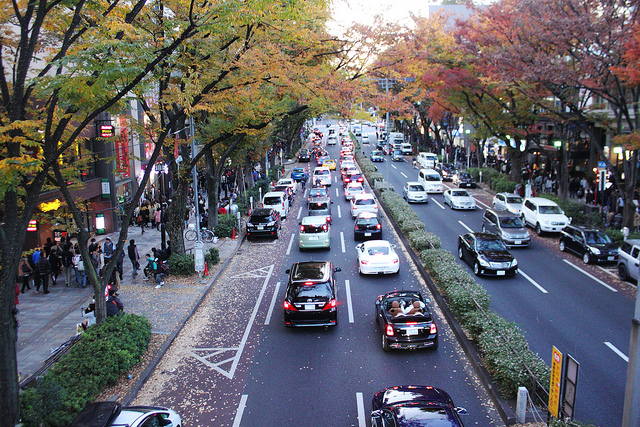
(556, 299)
(235, 364)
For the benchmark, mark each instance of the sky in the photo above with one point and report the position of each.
(345, 12)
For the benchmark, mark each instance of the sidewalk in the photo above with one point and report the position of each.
(47, 321)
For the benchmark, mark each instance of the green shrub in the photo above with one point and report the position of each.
(182, 264)
(226, 224)
(212, 257)
(102, 355)
(422, 239)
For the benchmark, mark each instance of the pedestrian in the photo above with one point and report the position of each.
(114, 305)
(158, 218)
(47, 246)
(93, 246)
(163, 271)
(152, 215)
(54, 261)
(108, 250)
(44, 270)
(66, 260)
(24, 273)
(120, 264)
(81, 274)
(151, 268)
(32, 260)
(132, 251)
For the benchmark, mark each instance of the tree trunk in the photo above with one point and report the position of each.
(516, 164)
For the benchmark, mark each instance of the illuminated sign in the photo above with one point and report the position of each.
(50, 206)
(556, 382)
(106, 131)
(33, 225)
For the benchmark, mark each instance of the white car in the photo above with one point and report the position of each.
(363, 203)
(322, 176)
(289, 182)
(414, 191)
(365, 139)
(544, 215)
(112, 414)
(459, 199)
(332, 140)
(508, 202)
(377, 257)
(353, 189)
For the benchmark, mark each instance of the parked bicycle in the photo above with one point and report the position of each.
(206, 235)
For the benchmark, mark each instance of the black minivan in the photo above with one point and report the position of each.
(311, 298)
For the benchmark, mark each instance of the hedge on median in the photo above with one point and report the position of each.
(97, 360)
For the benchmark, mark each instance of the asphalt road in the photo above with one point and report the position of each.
(235, 363)
(556, 299)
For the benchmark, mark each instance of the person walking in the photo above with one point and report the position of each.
(108, 250)
(66, 259)
(24, 273)
(81, 274)
(54, 261)
(158, 218)
(132, 251)
(44, 270)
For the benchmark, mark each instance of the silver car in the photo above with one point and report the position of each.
(508, 226)
(414, 191)
(629, 260)
(508, 202)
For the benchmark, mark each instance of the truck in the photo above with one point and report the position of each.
(396, 139)
(427, 160)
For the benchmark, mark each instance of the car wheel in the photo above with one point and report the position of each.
(561, 246)
(538, 229)
(586, 258)
(460, 252)
(385, 343)
(435, 344)
(276, 233)
(622, 272)
(476, 268)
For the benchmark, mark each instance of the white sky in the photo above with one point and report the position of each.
(345, 12)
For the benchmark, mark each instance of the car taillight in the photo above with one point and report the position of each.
(379, 226)
(433, 329)
(288, 306)
(301, 228)
(395, 261)
(389, 331)
(375, 206)
(324, 227)
(361, 179)
(329, 305)
(364, 262)
(411, 323)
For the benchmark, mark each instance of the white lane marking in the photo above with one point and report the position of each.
(590, 276)
(243, 404)
(606, 270)
(337, 194)
(299, 212)
(273, 303)
(402, 173)
(533, 282)
(465, 226)
(616, 351)
(335, 179)
(290, 243)
(339, 212)
(362, 422)
(349, 305)
(483, 204)
(342, 242)
(394, 166)
(436, 202)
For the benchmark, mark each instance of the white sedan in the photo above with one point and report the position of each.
(353, 189)
(508, 202)
(289, 182)
(459, 199)
(377, 257)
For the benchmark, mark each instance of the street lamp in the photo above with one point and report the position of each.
(466, 142)
(618, 151)
(159, 167)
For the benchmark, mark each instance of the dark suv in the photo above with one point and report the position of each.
(311, 298)
(263, 222)
(591, 244)
(304, 155)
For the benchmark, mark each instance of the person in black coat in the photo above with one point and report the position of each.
(43, 266)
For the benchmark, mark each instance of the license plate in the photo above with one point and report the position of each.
(611, 258)
(261, 227)
(412, 331)
(500, 272)
(309, 306)
(517, 242)
(313, 237)
(367, 234)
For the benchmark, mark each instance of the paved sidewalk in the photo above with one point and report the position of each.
(47, 321)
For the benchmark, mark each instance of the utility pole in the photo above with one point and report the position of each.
(631, 412)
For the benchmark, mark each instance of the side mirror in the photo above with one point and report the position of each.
(336, 269)
(461, 410)
(287, 271)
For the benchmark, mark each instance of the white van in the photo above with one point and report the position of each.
(396, 138)
(276, 200)
(322, 175)
(427, 160)
(431, 180)
(406, 149)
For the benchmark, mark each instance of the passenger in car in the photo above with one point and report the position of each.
(395, 309)
(415, 308)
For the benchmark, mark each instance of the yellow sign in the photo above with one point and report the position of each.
(556, 380)
(50, 206)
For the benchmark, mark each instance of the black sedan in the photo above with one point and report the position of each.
(487, 254)
(590, 243)
(463, 179)
(405, 321)
(304, 155)
(447, 170)
(263, 222)
(367, 227)
(310, 299)
(404, 406)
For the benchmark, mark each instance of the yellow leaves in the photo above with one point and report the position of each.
(630, 141)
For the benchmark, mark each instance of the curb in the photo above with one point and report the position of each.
(151, 367)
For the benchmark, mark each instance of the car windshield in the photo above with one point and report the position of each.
(311, 290)
(491, 245)
(513, 222)
(432, 416)
(430, 177)
(378, 250)
(550, 210)
(398, 152)
(597, 238)
(465, 175)
(460, 193)
(297, 170)
(515, 200)
(416, 188)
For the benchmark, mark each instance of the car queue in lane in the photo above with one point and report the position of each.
(553, 298)
(347, 358)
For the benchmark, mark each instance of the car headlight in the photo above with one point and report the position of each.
(514, 262)
(249, 224)
(546, 222)
(594, 251)
(483, 262)
(272, 223)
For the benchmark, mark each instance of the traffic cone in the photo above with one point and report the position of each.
(206, 270)
(233, 234)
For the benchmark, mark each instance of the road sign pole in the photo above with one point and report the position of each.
(631, 412)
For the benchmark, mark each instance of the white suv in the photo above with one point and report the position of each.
(629, 260)
(364, 202)
(544, 215)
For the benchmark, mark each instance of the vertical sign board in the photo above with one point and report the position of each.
(556, 382)
(570, 385)
(199, 257)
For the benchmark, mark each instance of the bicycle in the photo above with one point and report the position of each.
(206, 235)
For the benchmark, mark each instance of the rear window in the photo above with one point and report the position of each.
(310, 271)
(365, 202)
(318, 206)
(321, 172)
(272, 200)
(311, 290)
(378, 250)
(259, 219)
(314, 228)
(512, 199)
(366, 221)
